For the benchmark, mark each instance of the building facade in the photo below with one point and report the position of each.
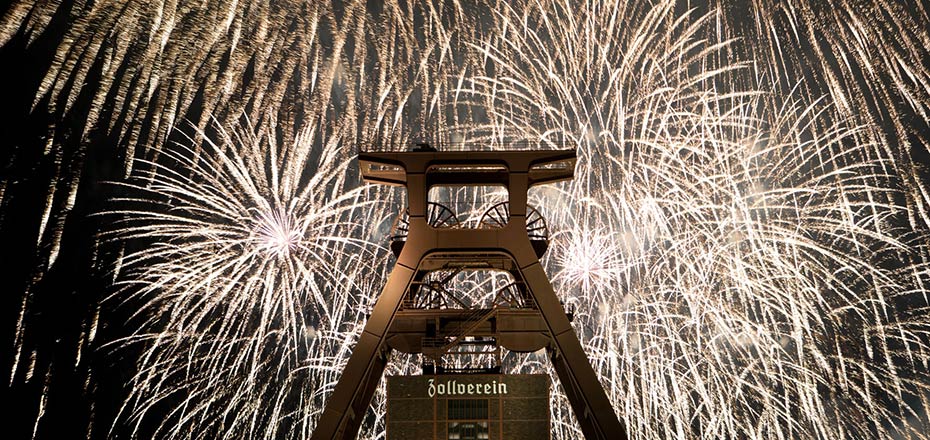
(468, 407)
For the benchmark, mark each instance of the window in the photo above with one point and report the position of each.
(468, 419)
(468, 409)
(468, 430)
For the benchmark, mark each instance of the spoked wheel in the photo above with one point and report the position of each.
(536, 226)
(498, 215)
(437, 216)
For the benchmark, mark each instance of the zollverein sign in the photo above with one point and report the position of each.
(454, 387)
(464, 406)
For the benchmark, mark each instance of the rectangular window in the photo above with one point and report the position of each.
(468, 409)
(471, 417)
(468, 431)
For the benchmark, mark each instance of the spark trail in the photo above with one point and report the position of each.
(240, 286)
(739, 249)
(745, 242)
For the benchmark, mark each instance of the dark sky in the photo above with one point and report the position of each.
(60, 150)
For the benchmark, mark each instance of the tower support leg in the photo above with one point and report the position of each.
(349, 402)
(589, 402)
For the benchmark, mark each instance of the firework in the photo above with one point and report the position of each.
(744, 245)
(741, 253)
(241, 287)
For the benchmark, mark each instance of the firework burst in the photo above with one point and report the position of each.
(240, 287)
(742, 254)
(744, 245)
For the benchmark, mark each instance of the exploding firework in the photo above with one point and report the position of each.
(240, 288)
(744, 244)
(744, 254)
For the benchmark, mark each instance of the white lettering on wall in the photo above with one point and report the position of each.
(453, 388)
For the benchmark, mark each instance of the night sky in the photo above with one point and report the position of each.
(135, 88)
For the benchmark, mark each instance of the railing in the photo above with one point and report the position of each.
(442, 344)
(487, 143)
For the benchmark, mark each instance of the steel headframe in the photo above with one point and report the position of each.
(418, 171)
